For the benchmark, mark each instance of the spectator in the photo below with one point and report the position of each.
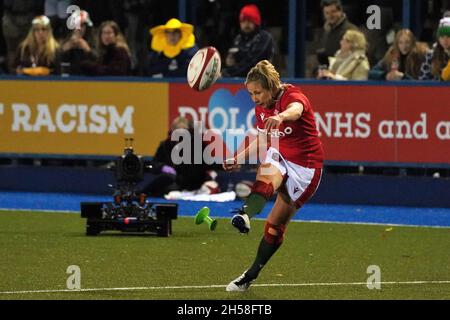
(173, 46)
(336, 24)
(113, 53)
(38, 54)
(16, 23)
(350, 62)
(437, 61)
(56, 10)
(172, 177)
(251, 45)
(79, 45)
(403, 59)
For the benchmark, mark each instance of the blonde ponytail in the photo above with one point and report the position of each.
(266, 74)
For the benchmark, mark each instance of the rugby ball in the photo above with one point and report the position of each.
(204, 68)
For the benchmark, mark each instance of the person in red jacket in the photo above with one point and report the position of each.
(292, 166)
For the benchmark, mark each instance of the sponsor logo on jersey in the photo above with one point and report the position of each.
(276, 157)
(277, 133)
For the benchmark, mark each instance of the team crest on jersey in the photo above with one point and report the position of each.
(276, 157)
(262, 116)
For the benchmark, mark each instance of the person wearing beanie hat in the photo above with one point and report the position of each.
(173, 45)
(444, 42)
(444, 27)
(437, 63)
(251, 45)
(251, 13)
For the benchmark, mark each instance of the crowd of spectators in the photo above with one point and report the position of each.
(405, 59)
(109, 41)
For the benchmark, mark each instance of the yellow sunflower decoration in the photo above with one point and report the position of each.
(159, 42)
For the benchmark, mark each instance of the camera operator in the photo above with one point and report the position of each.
(171, 177)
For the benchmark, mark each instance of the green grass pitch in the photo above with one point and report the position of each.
(316, 261)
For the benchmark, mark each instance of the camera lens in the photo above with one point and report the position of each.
(131, 164)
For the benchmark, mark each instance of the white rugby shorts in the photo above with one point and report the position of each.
(301, 183)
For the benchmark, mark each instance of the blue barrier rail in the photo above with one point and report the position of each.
(299, 81)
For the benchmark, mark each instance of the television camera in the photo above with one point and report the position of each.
(129, 211)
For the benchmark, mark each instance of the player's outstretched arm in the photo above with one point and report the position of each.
(235, 162)
(293, 112)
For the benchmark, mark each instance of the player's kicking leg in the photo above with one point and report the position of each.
(274, 230)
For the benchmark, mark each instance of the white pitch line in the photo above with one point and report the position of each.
(335, 284)
(9, 210)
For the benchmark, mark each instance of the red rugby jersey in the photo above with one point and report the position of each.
(298, 140)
